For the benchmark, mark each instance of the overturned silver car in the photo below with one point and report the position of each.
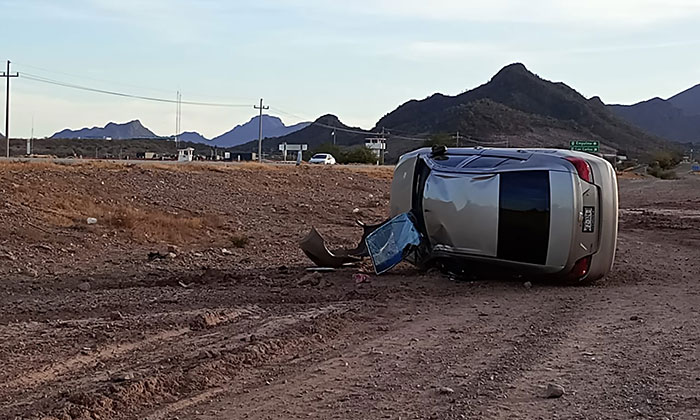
(538, 211)
(542, 213)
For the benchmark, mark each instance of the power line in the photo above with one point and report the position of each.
(127, 95)
(114, 82)
(76, 76)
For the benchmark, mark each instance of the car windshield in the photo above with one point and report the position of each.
(319, 157)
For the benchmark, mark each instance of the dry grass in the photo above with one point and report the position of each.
(140, 224)
(629, 175)
(60, 165)
(218, 167)
(379, 172)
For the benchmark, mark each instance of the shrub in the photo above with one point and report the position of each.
(658, 172)
(358, 154)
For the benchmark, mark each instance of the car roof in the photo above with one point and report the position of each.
(467, 159)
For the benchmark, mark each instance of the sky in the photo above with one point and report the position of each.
(356, 59)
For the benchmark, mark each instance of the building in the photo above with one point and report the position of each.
(185, 155)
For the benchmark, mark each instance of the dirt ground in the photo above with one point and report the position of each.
(223, 321)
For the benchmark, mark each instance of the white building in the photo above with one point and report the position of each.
(185, 155)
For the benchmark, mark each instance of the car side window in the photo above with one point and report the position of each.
(524, 214)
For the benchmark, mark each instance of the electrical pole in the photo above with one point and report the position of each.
(7, 77)
(260, 133)
(457, 138)
(333, 133)
(30, 139)
(178, 110)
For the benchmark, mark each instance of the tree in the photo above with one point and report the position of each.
(358, 154)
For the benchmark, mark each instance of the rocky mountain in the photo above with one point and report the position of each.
(193, 136)
(521, 109)
(240, 134)
(676, 118)
(687, 101)
(314, 134)
(662, 118)
(130, 130)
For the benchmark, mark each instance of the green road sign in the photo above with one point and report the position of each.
(585, 146)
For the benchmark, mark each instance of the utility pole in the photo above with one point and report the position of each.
(7, 77)
(457, 138)
(178, 111)
(30, 139)
(333, 134)
(377, 145)
(260, 133)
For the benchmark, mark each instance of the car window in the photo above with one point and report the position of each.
(523, 218)
(319, 157)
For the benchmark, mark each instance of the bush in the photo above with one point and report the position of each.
(665, 160)
(359, 155)
(658, 172)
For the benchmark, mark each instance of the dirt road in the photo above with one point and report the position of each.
(226, 323)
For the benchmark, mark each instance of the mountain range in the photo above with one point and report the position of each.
(130, 130)
(676, 118)
(272, 127)
(515, 108)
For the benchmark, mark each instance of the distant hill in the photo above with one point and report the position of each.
(130, 130)
(314, 134)
(520, 107)
(193, 136)
(687, 101)
(662, 118)
(240, 134)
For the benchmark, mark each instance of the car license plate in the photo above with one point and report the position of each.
(588, 219)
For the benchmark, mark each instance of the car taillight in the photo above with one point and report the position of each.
(582, 167)
(580, 268)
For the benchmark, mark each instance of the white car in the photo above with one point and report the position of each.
(323, 159)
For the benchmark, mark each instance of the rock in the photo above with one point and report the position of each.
(527, 285)
(197, 254)
(122, 377)
(355, 211)
(225, 251)
(446, 390)
(91, 221)
(310, 279)
(173, 249)
(84, 286)
(554, 391)
(634, 318)
(208, 320)
(116, 316)
(171, 255)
